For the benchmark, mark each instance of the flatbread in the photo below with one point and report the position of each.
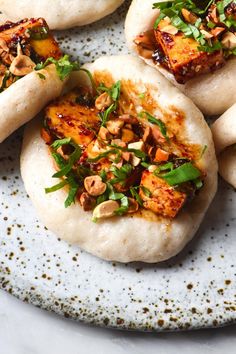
(60, 14)
(125, 238)
(224, 134)
(213, 93)
(26, 97)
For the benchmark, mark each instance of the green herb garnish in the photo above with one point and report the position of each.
(157, 122)
(69, 180)
(103, 175)
(121, 174)
(73, 189)
(146, 191)
(104, 116)
(102, 155)
(56, 187)
(60, 142)
(38, 33)
(169, 166)
(124, 206)
(63, 66)
(114, 93)
(135, 195)
(138, 153)
(74, 157)
(185, 173)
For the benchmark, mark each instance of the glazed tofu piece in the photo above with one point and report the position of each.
(33, 32)
(71, 116)
(183, 57)
(164, 199)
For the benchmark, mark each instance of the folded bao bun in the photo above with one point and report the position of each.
(224, 134)
(25, 91)
(60, 14)
(213, 93)
(20, 102)
(126, 238)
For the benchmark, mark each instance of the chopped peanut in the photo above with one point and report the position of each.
(97, 147)
(138, 145)
(206, 34)
(152, 168)
(161, 155)
(133, 206)
(114, 126)
(189, 16)
(104, 133)
(213, 15)
(156, 133)
(103, 101)
(128, 118)
(94, 185)
(147, 134)
(87, 202)
(170, 29)
(118, 142)
(229, 40)
(127, 135)
(217, 30)
(105, 210)
(22, 65)
(126, 156)
(118, 164)
(135, 161)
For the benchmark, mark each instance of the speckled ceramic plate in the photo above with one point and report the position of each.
(196, 289)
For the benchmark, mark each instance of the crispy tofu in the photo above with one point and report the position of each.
(34, 32)
(182, 56)
(68, 117)
(164, 199)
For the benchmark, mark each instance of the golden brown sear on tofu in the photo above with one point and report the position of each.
(164, 199)
(116, 163)
(72, 116)
(182, 56)
(190, 41)
(22, 46)
(33, 33)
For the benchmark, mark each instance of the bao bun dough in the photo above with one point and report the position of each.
(60, 14)
(224, 134)
(123, 239)
(213, 93)
(26, 97)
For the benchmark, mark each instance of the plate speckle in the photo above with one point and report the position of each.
(195, 289)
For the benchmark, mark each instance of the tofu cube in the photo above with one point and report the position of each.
(183, 57)
(164, 199)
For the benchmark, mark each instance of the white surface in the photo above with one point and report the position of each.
(25, 329)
